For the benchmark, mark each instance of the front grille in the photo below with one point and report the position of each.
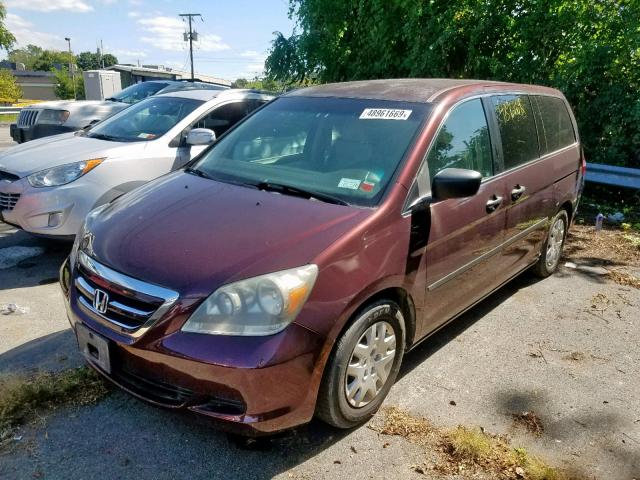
(8, 200)
(123, 311)
(8, 176)
(132, 304)
(27, 117)
(154, 390)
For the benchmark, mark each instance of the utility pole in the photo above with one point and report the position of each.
(191, 36)
(71, 71)
(101, 54)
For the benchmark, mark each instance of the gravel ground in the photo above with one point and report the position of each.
(566, 348)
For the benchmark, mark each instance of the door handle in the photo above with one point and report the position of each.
(517, 192)
(493, 203)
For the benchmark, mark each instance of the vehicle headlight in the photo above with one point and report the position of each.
(257, 306)
(56, 176)
(53, 117)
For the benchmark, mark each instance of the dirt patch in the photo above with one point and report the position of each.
(575, 357)
(22, 398)
(624, 278)
(470, 452)
(607, 247)
(530, 421)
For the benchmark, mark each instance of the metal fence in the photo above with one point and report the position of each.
(611, 175)
(5, 110)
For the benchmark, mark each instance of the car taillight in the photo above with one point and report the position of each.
(584, 165)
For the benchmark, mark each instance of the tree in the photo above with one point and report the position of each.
(589, 50)
(35, 58)
(259, 83)
(92, 61)
(26, 55)
(64, 85)
(10, 91)
(6, 37)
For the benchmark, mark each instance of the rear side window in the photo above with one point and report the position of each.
(463, 141)
(224, 117)
(556, 129)
(517, 129)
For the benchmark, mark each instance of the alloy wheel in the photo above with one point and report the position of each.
(370, 364)
(554, 244)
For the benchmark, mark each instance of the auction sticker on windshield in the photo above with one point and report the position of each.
(385, 114)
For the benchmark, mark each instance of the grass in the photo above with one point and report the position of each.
(469, 444)
(8, 117)
(468, 449)
(22, 397)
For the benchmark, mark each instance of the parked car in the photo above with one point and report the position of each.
(61, 116)
(48, 186)
(289, 269)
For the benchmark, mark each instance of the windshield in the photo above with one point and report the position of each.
(144, 121)
(344, 148)
(137, 92)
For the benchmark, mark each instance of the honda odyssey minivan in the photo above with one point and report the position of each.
(287, 270)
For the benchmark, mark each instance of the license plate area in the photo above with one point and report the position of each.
(94, 347)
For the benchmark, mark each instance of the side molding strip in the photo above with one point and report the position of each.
(484, 256)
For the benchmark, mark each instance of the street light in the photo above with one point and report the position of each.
(71, 71)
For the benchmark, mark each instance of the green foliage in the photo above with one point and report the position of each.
(10, 91)
(588, 49)
(64, 85)
(36, 58)
(265, 84)
(6, 37)
(92, 60)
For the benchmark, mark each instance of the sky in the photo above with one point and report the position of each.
(235, 35)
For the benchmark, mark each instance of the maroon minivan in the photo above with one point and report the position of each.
(288, 269)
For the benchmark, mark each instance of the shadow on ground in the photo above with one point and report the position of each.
(606, 429)
(39, 270)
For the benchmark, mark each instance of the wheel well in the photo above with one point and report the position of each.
(568, 207)
(403, 299)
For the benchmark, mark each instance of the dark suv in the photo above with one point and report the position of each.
(287, 271)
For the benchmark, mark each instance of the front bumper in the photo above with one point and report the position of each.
(55, 211)
(251, 385)
(24, 134)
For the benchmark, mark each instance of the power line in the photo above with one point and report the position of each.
(191, 36)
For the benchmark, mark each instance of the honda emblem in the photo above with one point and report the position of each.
(100, 301)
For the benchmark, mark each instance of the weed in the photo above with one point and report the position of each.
(468, 449)
(21, 397)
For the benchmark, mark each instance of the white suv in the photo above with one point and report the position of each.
(47, 186)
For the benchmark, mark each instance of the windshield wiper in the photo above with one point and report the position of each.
(199, 173)
(101, 136)
(299, 192)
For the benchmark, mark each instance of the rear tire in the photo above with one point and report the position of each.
(552, 248)
(363, 366)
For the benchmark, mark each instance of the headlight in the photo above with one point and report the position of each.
(53, 117)
(261, 305)
(56, 176)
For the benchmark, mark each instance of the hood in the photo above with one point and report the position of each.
(76, 104)
(47, 152)
(193, 235)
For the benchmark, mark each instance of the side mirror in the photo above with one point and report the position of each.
(201, 136)
(455, 183)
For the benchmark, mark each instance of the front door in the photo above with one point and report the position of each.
(465, 235)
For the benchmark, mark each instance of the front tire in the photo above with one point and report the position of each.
(552, 248)
(363, 366)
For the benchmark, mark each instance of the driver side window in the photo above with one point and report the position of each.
(463, 141)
